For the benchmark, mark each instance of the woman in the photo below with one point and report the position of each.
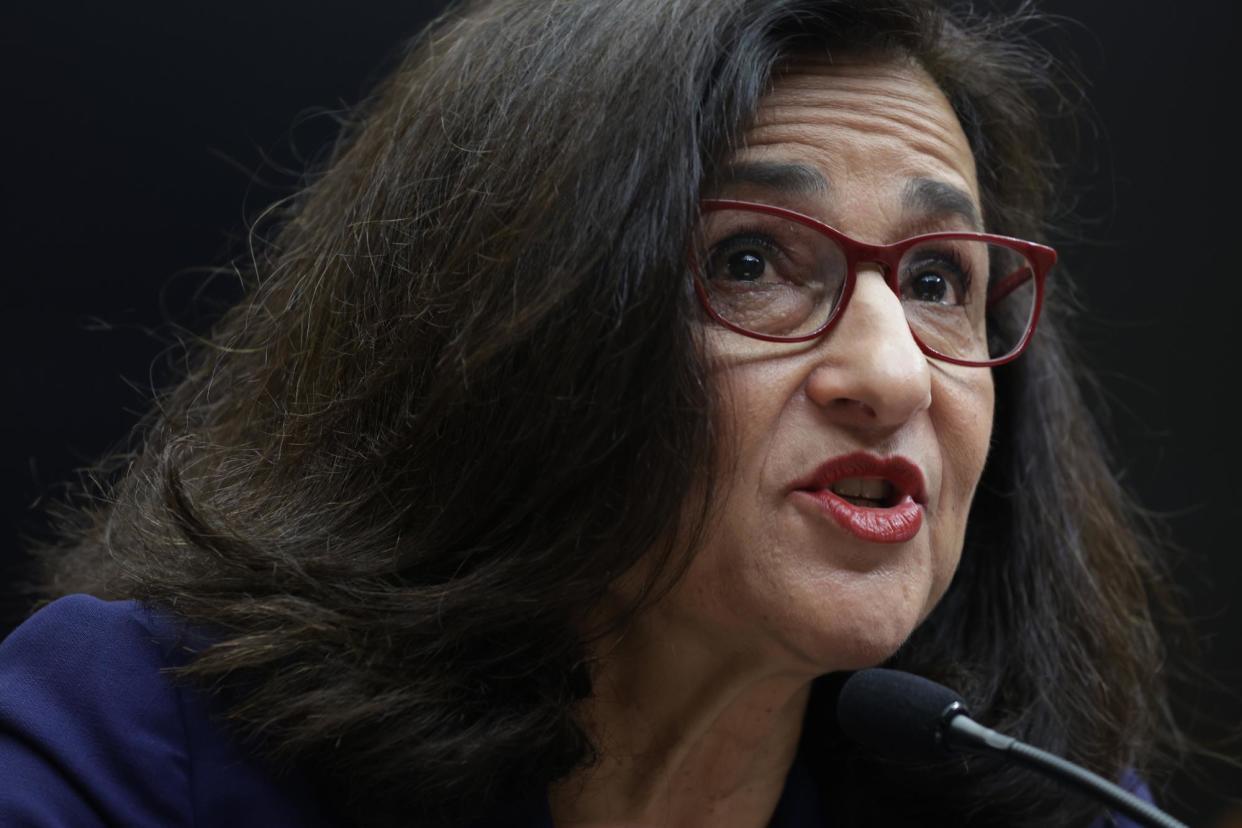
(631, 373)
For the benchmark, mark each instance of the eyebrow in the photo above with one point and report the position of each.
(788, 177)
(927, 197)
(936, 198)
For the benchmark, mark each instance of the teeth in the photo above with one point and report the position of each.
(872, 488)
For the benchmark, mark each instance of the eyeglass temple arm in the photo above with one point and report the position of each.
(1008, 285)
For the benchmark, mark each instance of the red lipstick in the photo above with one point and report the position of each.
(897, 514)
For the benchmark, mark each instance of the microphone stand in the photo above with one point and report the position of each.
(964, 733)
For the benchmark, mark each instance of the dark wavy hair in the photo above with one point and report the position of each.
(465, 392)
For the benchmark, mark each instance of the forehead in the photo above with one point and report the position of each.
(876, 130)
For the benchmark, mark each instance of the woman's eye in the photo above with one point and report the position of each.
(939, 280)
(746, 258)
(745, 265)
(929, 286)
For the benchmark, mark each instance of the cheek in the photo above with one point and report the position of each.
(735, 562)
(963, 424)
(966, 429)
(752, 393)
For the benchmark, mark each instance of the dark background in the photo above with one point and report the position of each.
(142, 137)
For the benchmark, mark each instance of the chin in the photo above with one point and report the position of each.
(866, 640)
(867, 654)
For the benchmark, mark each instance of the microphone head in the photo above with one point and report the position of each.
(895, 714)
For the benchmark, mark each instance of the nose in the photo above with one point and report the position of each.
(870, 372)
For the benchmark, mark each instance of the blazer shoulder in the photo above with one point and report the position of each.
(91, 730)
(94, 730)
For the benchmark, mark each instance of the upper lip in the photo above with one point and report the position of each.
(904, 475)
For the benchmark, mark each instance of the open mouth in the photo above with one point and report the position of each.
(870, 492)
(875, 499)
(864, 480)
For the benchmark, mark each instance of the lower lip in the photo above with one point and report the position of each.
(892, 524)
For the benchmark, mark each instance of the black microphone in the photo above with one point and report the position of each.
(905, 716)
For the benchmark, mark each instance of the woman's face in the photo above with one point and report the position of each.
(779, 577)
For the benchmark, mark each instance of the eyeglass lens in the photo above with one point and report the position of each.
(963, 298)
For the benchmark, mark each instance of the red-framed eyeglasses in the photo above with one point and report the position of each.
(775, 274)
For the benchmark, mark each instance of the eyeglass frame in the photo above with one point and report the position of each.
(888, 256)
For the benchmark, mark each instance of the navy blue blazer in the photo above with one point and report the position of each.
(93, 734)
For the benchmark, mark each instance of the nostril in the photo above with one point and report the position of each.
(851, 406)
